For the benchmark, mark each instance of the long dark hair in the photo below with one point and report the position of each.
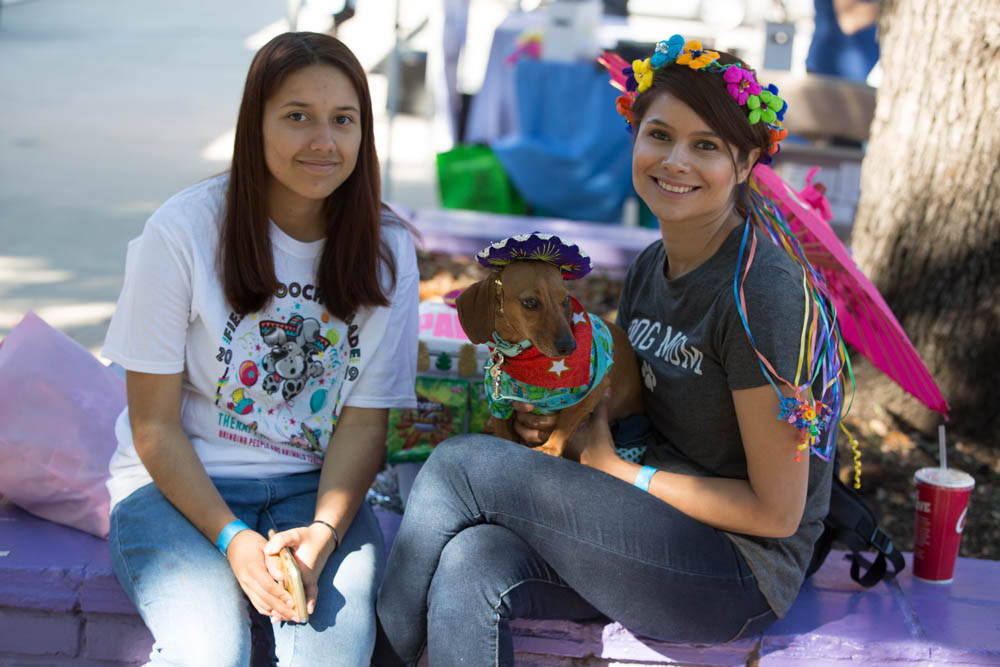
(349, 269)
(706, 93)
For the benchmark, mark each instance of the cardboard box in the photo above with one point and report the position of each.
(442, 411)
(479, 409)
(445, 349)
(451, 365)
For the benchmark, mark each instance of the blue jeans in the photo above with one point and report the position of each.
(188, 596)
(495, 531)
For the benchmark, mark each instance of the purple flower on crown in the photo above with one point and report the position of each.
(741, 84)
(667, 51)
(631, 85)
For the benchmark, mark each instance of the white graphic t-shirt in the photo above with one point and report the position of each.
(261, 393)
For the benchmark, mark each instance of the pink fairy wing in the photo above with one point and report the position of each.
(614, 63)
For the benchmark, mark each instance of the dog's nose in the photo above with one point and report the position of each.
(565, 346)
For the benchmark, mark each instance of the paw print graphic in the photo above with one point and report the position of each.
(647, 376)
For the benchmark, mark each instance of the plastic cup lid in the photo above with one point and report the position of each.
(945, 477)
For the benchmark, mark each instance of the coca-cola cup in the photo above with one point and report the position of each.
(942, 503)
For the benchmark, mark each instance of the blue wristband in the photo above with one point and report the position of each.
(642, 479)
(228, 533)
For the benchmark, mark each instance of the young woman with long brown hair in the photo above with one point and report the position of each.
(267, 324)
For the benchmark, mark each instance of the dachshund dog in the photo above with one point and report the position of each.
(527, 301)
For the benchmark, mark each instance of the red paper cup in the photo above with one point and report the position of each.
(942, 502)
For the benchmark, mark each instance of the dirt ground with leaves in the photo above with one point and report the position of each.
(890, 450)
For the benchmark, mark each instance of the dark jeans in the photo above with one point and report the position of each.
(495, 531)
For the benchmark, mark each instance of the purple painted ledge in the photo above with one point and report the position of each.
(61, 605)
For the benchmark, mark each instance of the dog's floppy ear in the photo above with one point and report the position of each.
(477, 309)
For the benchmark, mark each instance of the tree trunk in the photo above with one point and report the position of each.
(927, 230)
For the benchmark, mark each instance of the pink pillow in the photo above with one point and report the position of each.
(58, 406)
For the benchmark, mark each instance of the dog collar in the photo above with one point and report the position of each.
(509, 349)
(500, 351)
(524, 363)
(546, 400)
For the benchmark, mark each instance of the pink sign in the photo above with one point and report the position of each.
(442, 325)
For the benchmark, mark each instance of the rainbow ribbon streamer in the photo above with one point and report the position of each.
(824, 368)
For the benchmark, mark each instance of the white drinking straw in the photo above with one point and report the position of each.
(943, 451)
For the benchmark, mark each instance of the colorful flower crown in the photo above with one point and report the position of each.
(761, 104)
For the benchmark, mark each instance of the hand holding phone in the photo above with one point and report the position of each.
(291, 579)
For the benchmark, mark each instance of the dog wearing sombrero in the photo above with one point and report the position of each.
(545, 349)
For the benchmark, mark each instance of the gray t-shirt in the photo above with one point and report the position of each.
(693, 351)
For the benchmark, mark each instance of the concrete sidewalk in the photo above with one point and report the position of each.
(110, 107)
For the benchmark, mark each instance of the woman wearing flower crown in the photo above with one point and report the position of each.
(709, 540)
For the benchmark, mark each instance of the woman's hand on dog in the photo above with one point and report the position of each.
(592, 444)
(533, 429)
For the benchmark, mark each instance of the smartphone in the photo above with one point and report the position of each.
(291, 579)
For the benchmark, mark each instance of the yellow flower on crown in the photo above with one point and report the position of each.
(695, 57)
(643, 71)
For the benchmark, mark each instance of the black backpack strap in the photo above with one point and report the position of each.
(883, 544)
(853, 523)
(850, 521)
(875, 570)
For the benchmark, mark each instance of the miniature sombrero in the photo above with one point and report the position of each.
(450, 297)
(572, 262)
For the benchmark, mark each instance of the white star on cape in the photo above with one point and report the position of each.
(559, 367)
(579, 318)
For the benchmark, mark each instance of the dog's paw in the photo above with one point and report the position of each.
(550, 449)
